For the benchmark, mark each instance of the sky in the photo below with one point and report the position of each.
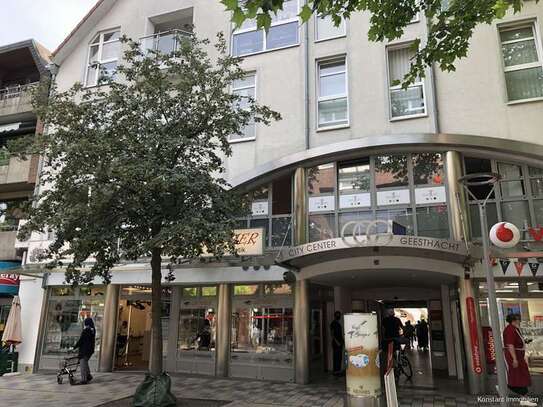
(46, 21)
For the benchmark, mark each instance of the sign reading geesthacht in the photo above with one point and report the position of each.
(249, 242)
(384, 240)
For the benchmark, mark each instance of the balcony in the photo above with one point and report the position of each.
(164, 42)
(8, 237)
(16, 99)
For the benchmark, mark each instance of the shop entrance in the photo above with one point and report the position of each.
(133, 342)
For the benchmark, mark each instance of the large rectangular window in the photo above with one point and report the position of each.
(333, 94)
(521, 54)
(408, 102)
(282, 33)
(103, 58)
(325, 28)
(246, 89)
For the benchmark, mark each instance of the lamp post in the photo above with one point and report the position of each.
(477, 180)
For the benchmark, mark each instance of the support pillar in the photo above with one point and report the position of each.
(299, 223)
(224, 331)
(301, 332)
(447, 328)
(109, 328)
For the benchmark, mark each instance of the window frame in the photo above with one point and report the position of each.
(99, 61)
(332, 125)
(532, 24)
(235, 32)
(239, 139)
(316, 31)
(420, 83)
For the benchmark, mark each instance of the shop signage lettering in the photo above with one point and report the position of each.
(9, 283)
(474, 338)
(490, 349)
(430, 243)
(249, 242)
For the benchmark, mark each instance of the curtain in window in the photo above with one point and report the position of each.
(399, 61)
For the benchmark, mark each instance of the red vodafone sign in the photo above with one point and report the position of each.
(504, 235)
(474, 337)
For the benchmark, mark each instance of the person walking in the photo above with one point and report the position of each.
(86, 344)
(338, 343)
(409, 333)
(518, 375)
(422, 335)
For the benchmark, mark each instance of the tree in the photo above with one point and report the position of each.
(450, 22)
(134, 167)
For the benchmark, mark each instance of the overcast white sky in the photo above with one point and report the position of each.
(47, 21)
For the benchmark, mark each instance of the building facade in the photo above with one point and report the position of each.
(356, 191)
(22, 66)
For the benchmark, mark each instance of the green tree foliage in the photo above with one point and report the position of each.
(134, 167)
(450, 22)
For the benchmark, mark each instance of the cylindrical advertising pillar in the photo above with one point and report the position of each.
(362, 348)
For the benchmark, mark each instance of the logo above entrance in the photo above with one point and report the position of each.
(361, 233)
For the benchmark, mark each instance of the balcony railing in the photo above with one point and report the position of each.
(14, 99)
(164, 42)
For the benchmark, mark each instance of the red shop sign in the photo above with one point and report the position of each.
(490, 350)
(474, 338)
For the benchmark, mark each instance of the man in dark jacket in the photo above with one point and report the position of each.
(338, 343)
(86, 344)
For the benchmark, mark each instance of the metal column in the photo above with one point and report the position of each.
(109, 328)
(300, 207)
(224, 329)
(301, 332)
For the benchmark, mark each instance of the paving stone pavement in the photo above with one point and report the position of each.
(42, 390)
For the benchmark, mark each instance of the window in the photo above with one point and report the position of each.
(404, 102)
(521, 54)
(197, 329)
(428, 169)
(10, 213)
(282, 33)
(325, 28)
(103, 58)
(246, 89)
(246, 289)
(333, 99)
(391, 171)
(433, 221)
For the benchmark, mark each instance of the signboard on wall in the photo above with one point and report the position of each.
(9, 284)
(362, 200)
(430, 195)
(259, 208)
(250, 242)
(394, 197)
(490, 351)
(362, 347)
(321, 203)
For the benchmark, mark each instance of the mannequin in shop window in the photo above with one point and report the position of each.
(518, 375)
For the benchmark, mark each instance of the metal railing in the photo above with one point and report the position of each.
(164, 42)
(16, 91)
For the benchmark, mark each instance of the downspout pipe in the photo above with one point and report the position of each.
(435, 105)
(306, 84)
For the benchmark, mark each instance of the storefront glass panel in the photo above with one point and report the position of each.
(391, 171)
(322, 227)
(433, 221)
(428, 169)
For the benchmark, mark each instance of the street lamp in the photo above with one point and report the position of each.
(477, 180)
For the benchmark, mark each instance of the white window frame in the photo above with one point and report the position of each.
(99, 62)
(332, 125)
(537, 41)
(239, 139)
(415, 19)
(340, 35)
(264, 39)
(399, 87)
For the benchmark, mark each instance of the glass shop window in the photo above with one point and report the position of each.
(321, 180)
(349, 228)
(265, 331)
(475, 220)
(433, 221)
(67, 308)
(189, 292)
(246, 289)
(536, 180)
(354, 177)
(428, 169)
(475, 166)
(209, 291)
(279, 289)
(404, 217)
(391, 171)
(197, 329)
(516, 212)
(282, 196)
(322, 227)
(512, 183)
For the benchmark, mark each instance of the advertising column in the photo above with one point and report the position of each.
(362, 347)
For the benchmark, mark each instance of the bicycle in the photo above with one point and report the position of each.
(401, 363)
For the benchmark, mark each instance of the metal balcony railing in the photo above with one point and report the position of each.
(12, 94)
(164, 42)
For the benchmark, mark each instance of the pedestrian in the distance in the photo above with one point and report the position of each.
(338, 342)
(86, 344)
(422, 334)
(518, 375)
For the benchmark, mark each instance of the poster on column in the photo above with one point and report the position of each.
(362, 346)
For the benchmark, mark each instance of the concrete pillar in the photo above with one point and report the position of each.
(173, 329)
(301, 331)
(224, 331)
(109, 328)
(476, 380)
(448, 331)
(299, 220)
(457, 197)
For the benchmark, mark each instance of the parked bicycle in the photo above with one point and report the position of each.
(402, 365)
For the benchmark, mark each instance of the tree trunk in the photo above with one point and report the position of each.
(155, 363)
